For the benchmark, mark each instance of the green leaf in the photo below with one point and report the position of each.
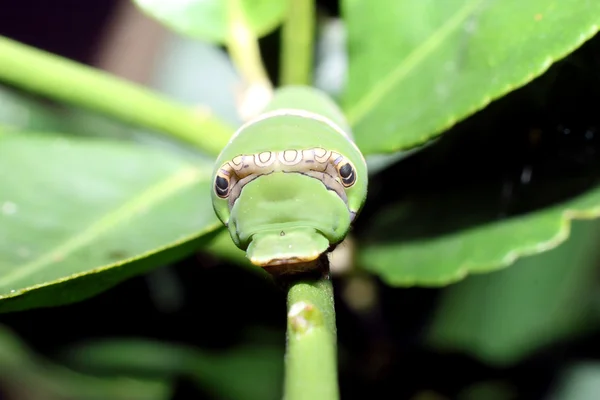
(414, 243)
(418, 67)
(24, 375)
(21, 112)
(208, 19)
(79, 215)
(505, 316)
(247, 372)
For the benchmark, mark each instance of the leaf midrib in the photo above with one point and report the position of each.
(176, 182)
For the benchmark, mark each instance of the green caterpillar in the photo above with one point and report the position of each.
(291, 181)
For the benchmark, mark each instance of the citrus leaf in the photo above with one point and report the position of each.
(505, 316)
(18, 111)
(79, 215)
(435, 259)
(207, 19)
(416, 68)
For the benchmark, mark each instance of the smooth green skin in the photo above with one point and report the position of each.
(300, 202)
(309, 216)
(207, 19)
(506, 316)
(438, 260)
(418, 67)
(309, 99)
(76, 224)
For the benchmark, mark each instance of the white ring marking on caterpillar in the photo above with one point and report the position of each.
(308, 162)
(290, 157)
(264, 159)
(315, 159)
(297, 112)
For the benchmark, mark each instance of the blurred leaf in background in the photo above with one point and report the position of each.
(252, 371)
(24, 376)
(508, 315)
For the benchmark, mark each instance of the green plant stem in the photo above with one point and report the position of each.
(297, 39)
(64, 80)
(243, 48)
(311, 357)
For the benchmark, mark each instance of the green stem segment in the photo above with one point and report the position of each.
(311, 359)
(244, 50)
(297, 37)
(64, 80)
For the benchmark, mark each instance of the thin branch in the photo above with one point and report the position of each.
(244, 50)
(64, 80)
(311, 356)
(297, 39)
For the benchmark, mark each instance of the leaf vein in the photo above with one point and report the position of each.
(410, 63)
(154, 194)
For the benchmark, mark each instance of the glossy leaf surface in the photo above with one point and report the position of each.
(79, 215)
(417, 67)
